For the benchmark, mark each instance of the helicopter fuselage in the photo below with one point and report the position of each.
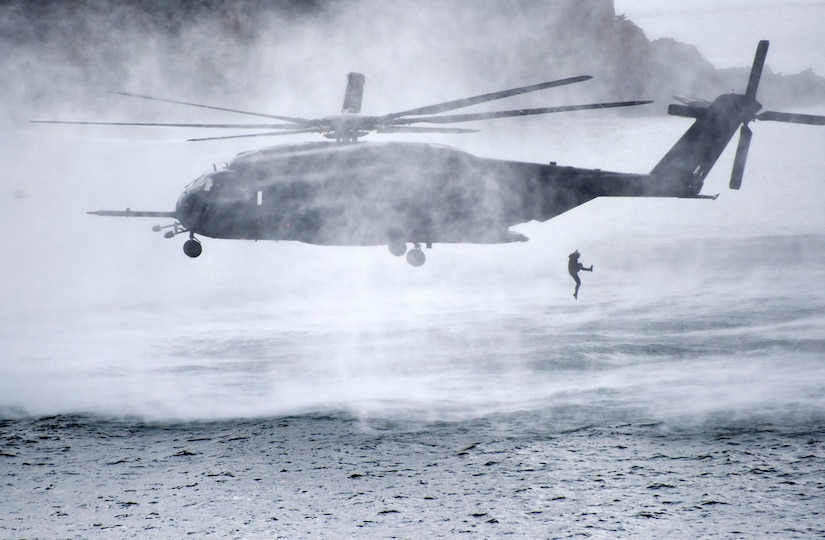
(352, 193)
(386, 193)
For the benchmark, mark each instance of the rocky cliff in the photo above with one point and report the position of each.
(219, 47)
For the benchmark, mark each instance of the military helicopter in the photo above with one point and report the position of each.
(350, 193)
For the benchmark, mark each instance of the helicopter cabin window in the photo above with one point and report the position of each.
(203, 183)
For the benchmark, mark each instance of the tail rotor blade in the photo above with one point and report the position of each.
(793, 118)
(745, 135)
(756, 70)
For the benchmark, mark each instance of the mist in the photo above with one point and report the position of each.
(105, 316)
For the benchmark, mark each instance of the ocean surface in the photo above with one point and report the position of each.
(556, 472)
(277, 390)
(681, 411)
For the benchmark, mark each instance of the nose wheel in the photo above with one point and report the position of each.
(192, 247)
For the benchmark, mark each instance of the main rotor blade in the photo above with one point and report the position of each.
(268, 134)
(292, 119)
(756, 70)
(153, 124)
(414, 129)
(466, 102)
(453, 118)
(741, 157)
(793, 118)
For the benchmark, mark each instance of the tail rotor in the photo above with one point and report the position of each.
(717, 123)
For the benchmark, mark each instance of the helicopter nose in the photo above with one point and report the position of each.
(189, 210)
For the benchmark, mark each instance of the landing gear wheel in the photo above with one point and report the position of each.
(192, 248)
(397, 248)
(416, 257)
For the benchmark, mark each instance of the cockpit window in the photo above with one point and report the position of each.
(202, 183)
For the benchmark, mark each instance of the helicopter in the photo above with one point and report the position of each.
(346, 192)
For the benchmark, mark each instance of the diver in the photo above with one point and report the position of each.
(574, 266)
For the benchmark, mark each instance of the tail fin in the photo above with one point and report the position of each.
(682, 171)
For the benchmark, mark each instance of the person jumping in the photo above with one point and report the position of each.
(574, 266)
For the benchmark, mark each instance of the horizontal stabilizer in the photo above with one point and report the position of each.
(688, 111)
(129, 213)
(692, 101)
